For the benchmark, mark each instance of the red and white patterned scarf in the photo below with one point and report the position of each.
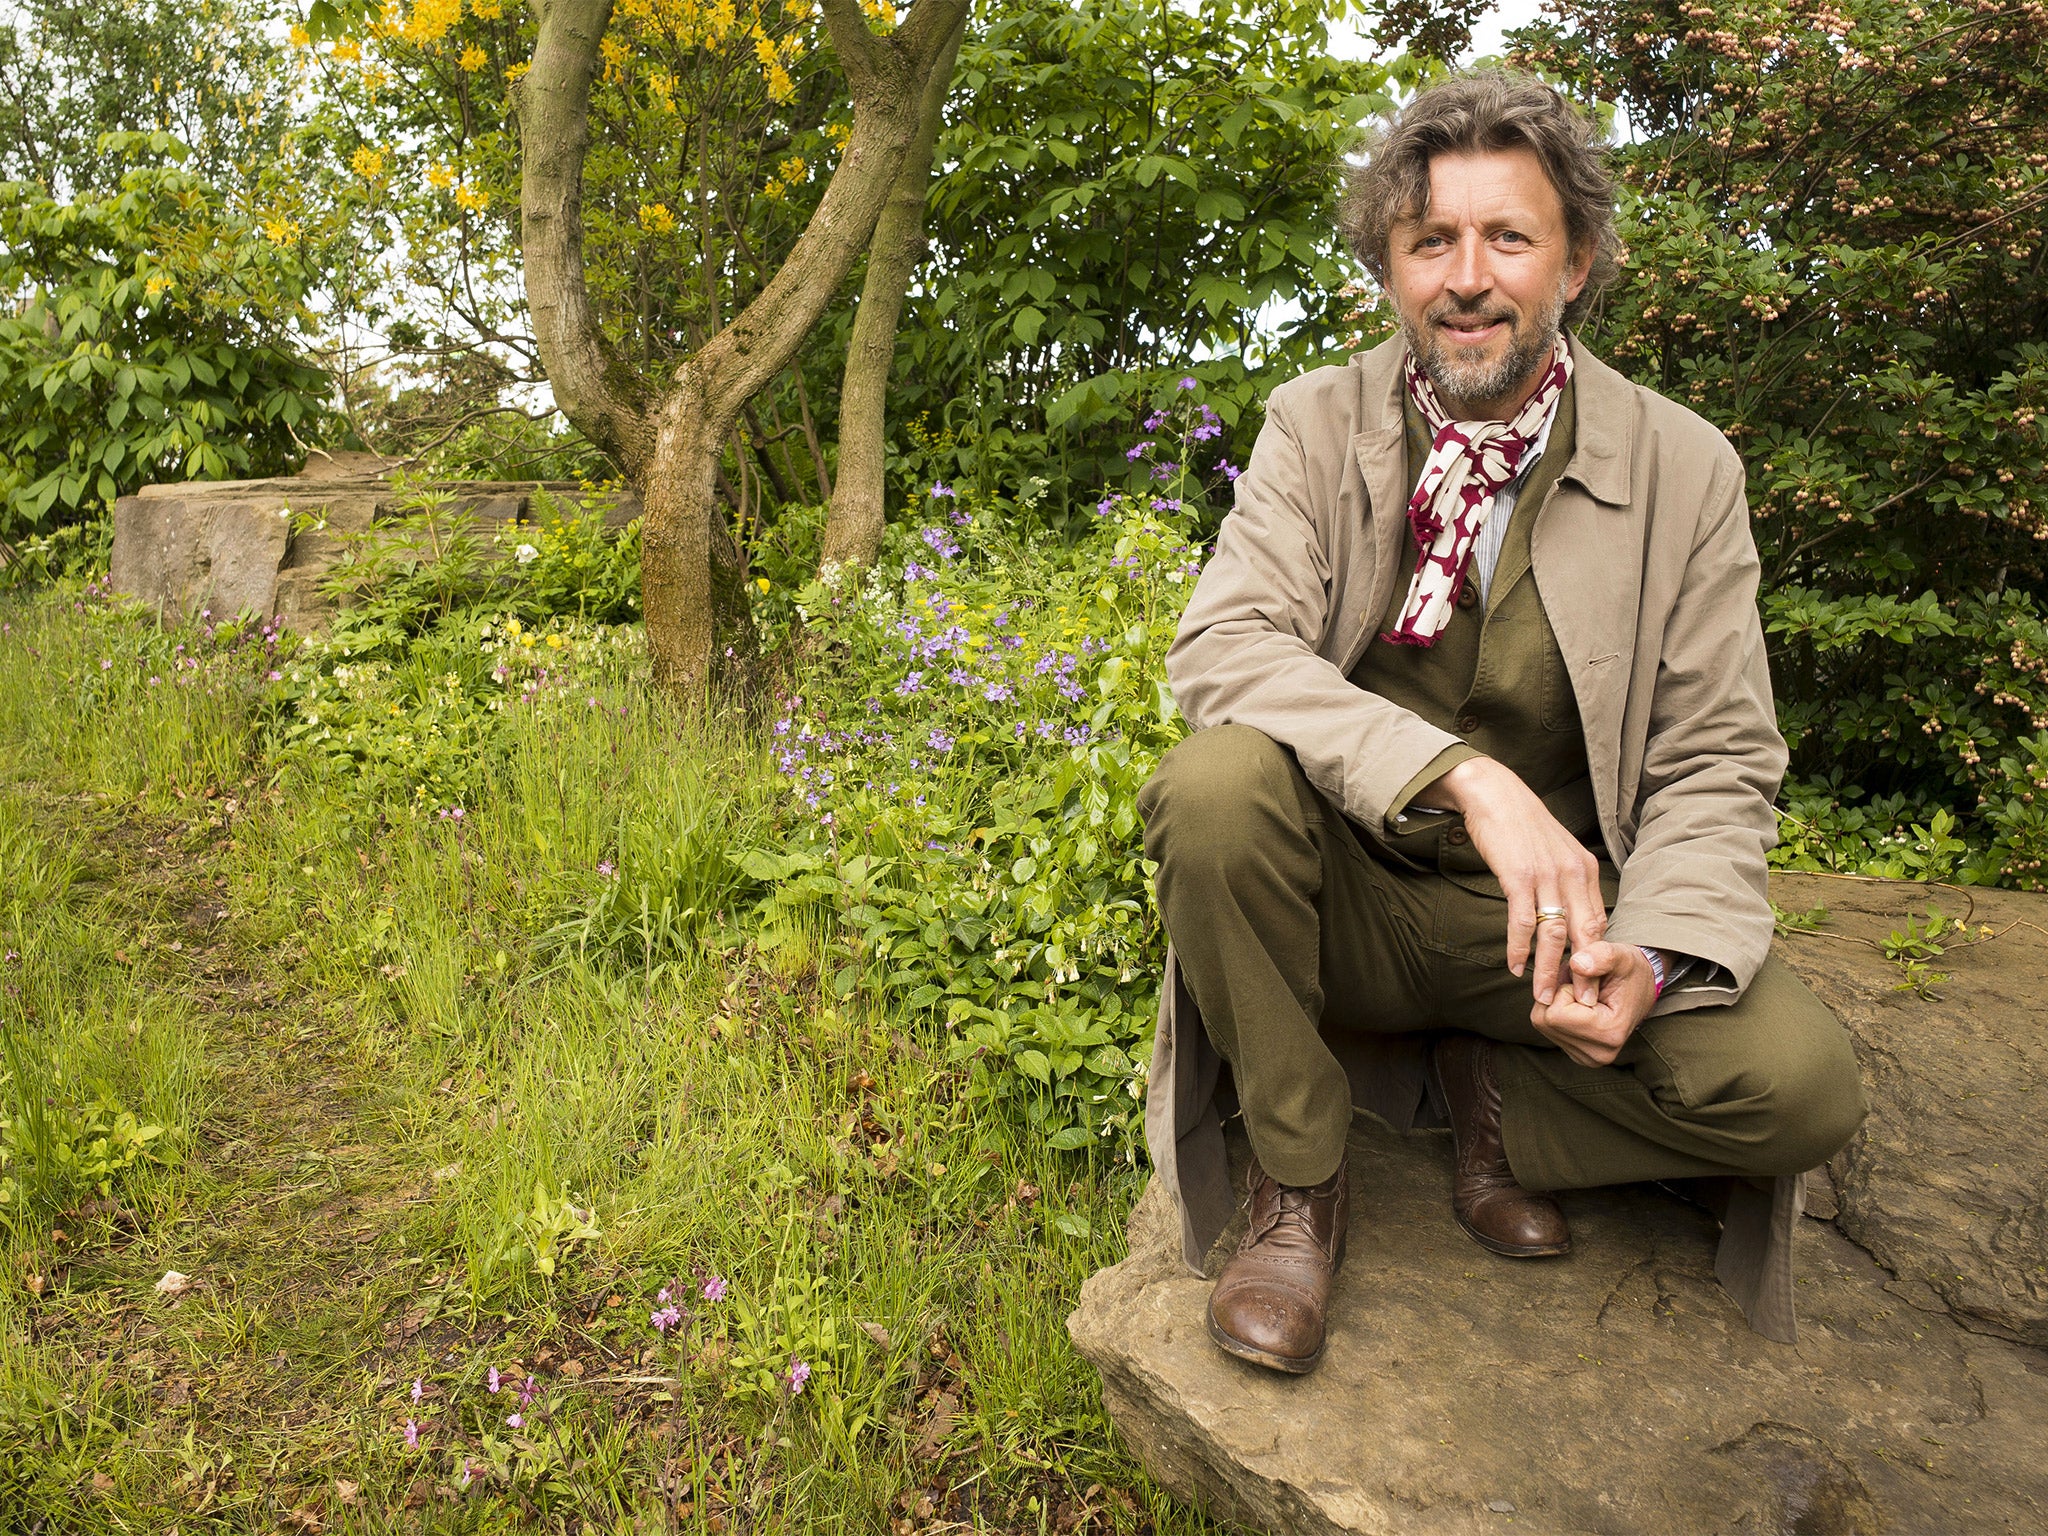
(1469, 462)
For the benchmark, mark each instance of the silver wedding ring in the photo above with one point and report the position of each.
(1552, 915)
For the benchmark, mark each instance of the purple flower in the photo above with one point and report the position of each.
(666, 1318)
(940, 741)
(1165, 470)
(277, 677)
(1187, 383)
(714, 1289)
(940, 488)
(106, 665)
(797, 1374)
(1155, 421)
(1165, 504)
(1137, 451)
(604, 867)
(1105, 506)
(959, 677)
(1228, 470)
(941, 543)
(492, 1380)
(996, 693)
(912, 683)
(416, 1390)
(514, 1420)
(412, 1435)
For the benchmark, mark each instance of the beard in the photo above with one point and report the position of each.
(1475, 381)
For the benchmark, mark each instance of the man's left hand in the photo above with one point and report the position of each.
(1623, 989)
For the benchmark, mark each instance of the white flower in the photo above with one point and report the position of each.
(526, 554)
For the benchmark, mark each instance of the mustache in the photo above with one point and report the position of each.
(1454, 317)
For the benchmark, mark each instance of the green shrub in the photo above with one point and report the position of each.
(145, 335)
(964, 760)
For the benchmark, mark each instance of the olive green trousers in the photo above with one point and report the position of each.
(1288, 929)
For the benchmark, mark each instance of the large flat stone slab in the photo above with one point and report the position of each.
(1614, 1392)
(1617, 1391)
(1947, 1185)
(265, 547)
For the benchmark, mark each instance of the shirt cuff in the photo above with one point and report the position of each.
(1457, 752)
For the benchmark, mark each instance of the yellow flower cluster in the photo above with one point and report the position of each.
(440, 177)
(514, 73)
(279, 230)
(473, 59)
(656, 219)
(300, 37)
(367, 163)
(792, 170)
(430, 21)
(347, 51)
(839, 133)
(486, 10)
(879, 10)
(471, 199)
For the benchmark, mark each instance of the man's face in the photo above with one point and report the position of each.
(1481, 281)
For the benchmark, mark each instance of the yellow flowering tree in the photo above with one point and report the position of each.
(666, 421)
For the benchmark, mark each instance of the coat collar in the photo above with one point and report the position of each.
(1606, 412)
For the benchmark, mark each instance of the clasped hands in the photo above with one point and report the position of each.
(1588, 1005)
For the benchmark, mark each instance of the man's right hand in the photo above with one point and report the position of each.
(1538, 863)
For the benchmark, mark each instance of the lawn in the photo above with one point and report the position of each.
(365, 1172)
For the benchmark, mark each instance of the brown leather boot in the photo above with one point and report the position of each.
(1495, 1211)
(1270, 1302)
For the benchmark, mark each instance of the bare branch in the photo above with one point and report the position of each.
(593, 386)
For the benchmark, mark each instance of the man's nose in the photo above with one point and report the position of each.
(1469, 275)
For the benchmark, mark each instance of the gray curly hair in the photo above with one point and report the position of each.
(1474, 111)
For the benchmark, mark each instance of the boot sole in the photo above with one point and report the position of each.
(1513, 1250)
(1270, 1361)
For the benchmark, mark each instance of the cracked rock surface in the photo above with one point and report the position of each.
(1617, 1391)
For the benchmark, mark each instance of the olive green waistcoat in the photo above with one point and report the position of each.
(1495, 678)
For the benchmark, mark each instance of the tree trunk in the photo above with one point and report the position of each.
(700, 633)
(853, 526)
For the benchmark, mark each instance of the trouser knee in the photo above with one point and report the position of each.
(1801, 1109)
(1219, 797)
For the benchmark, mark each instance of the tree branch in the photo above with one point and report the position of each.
(594, 387)
(888, 78)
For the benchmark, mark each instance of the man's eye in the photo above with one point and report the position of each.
(1512, 237)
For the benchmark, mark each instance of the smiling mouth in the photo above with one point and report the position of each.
(1471, 327)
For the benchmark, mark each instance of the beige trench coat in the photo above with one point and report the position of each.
(1648, 575)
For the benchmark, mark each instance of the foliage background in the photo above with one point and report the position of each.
(1835, 220)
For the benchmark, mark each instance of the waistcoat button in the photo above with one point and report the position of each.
(1466, 724)
(1468, 595)
(1457, 837)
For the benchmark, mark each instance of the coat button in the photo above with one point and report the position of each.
(1457, 837)
(1468, 596)
(1466, 724)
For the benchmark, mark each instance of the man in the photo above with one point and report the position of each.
(1472, 825)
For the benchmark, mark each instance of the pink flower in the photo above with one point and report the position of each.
(417, 1393)
(667, 1318)
(492, 1380)
(797, 1374)
(412, 1435)
(714, 1289)
(514, 1420)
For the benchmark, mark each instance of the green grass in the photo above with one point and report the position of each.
(400, 1061)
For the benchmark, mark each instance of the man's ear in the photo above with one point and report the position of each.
(1580, 269)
